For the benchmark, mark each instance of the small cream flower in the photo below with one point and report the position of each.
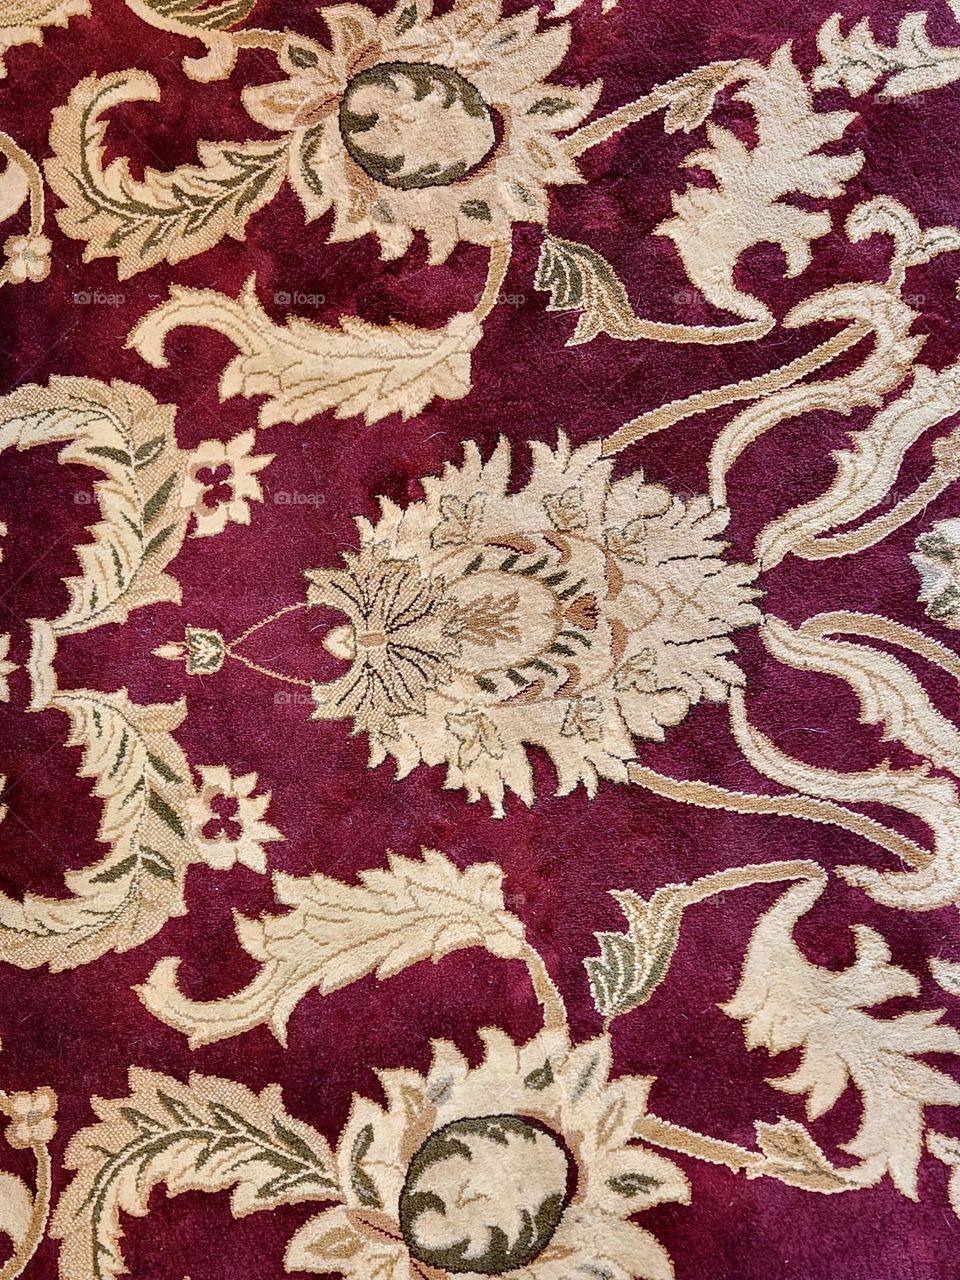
(28, 258)
(226, 820)
(221, 483)
(32, 1122)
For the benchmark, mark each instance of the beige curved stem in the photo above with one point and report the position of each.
(16, 156)
(16, 1265)
(878, 628)
(707, 796)
(662, 1133)
(845, 544)
(496, 274)
(745, 877)
(749, 389)
(708, 79)
(554, 1010)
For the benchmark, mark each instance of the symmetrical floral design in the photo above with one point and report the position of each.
(394, 127)
(575, 614)
(562, 601)
(541, 1188)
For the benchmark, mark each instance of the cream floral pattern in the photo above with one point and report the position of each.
(575, 614)
(561, 601)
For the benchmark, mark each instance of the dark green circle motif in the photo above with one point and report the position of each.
(539, 1221)
(445, 89)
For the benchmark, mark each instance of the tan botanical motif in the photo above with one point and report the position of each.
(711, 227)
(226, 820)
(305, 368)
(206, 1135)
(785, 1002)
(221, 482)
(30, 1126)
(434, 1184)
(23, 21)
(535, 1160)
(144, 500)
(576, 614)
(392, 127)
(143, 780)
(336, 933)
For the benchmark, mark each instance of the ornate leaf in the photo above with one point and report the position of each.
(120, 430)
(305, 369)
(337, 933)
(690, 98)
(713, 227)
(207, 1135)
(632, 965)
(143, 779)
(23, 21)
(786, 1002)
(793, 1157)
(166, 217)
(889, 693)
(865, 472)
(580, 279)
(857, 62)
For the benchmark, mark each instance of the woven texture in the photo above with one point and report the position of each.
(479, 601)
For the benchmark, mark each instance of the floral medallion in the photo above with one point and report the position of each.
(576, 614)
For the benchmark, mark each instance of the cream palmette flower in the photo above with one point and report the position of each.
(215, 466)
(28, 257)
(523, 1166)
(32, 1118)
(439, 124)
(226, 820)
(576, 615)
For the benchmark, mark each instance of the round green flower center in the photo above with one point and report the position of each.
(485, 1195)
(413, 124)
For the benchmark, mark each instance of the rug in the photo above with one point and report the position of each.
(480, 603)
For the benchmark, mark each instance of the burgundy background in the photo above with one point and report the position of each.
(79, 1031)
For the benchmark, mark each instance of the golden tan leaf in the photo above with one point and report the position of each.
(120, 430)
(336, 933)
(305, 369)
(786, 1002)
(207, 1135)
(793, 1157)
(165, 217)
